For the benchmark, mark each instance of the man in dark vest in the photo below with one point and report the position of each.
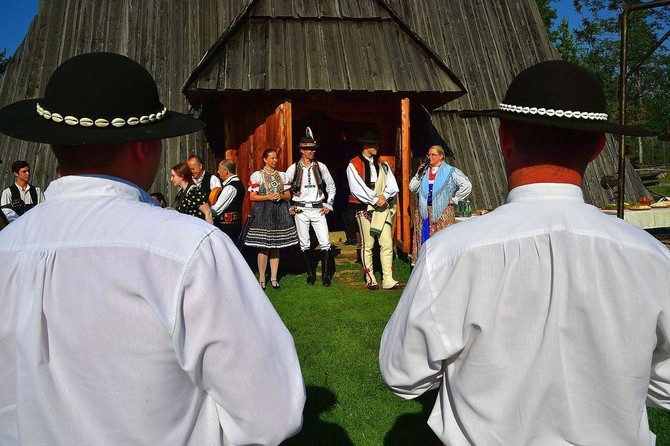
(203, 179)
(21, 196)
(227, 204)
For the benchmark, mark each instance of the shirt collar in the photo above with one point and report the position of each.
(229, 180)
(71, 187)
(546, 191)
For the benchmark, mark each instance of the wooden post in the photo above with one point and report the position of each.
(403, 229)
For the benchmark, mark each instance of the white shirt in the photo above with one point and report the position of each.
(362, 192)
(24, 194)
(125, 323)
(214, 181)
(542, 323)
(228, 193)
(309, 190)
(464, 184)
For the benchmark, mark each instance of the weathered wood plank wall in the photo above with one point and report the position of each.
(168, 37)
(486, 43)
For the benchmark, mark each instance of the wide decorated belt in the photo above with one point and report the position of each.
(230, 217)
(308, 204)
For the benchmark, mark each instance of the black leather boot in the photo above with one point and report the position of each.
(325, 274)
(311, 274)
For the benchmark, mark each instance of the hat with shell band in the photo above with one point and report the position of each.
(307, 142)
(558, 94)
(96, 98)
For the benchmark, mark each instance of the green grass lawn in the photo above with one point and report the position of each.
(337, 332)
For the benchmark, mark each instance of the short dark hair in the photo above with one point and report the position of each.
(159, 198)
(18, 165)
(551, 144)
(79, 158)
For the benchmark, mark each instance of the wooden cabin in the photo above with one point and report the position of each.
(260, 71)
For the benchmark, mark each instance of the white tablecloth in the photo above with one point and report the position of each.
(648, 219)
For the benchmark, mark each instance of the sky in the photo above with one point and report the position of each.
(17, 15)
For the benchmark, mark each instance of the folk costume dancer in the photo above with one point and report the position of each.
(311, 203)
(227, 208)
(438, 187)
(373, 191)
(272, 226)
(206, 181)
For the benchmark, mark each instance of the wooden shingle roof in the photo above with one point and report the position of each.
(483, 42)
(331, 46)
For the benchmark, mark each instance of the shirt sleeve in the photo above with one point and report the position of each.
(659, 384)
(286, 180)
(330, 185)
(464, 186)
(234, 346)
(412, 352)
(255, 182)
(226, 197)
(6, 197)
(414, 184)
(358, 188)
(214, 181)
(391, 189)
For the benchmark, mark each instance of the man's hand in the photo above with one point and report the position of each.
(381, 201)
(325, 210)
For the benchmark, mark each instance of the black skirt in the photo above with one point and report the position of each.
(272, 226)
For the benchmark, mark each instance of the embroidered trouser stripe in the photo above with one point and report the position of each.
(385, 251)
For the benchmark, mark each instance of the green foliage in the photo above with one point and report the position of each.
(565, 44)
(595, 45)
(548, 15)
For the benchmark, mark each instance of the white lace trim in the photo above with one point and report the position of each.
(551, 112)
(100, 122)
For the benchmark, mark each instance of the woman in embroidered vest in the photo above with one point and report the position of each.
(439, 187)
(272, 227)
(190, 199)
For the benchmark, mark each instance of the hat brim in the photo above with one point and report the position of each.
(20, 120)
(563, 123)
(363, 141)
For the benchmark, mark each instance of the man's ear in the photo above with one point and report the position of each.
(599, 147)
(144, 150)
(506, 140)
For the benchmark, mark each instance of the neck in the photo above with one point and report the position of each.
(543, 174)
(22, 184)
(268, 168)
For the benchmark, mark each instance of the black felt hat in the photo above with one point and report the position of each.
(559, 94)
(96, 98)
(370, 138)
(307, 142)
